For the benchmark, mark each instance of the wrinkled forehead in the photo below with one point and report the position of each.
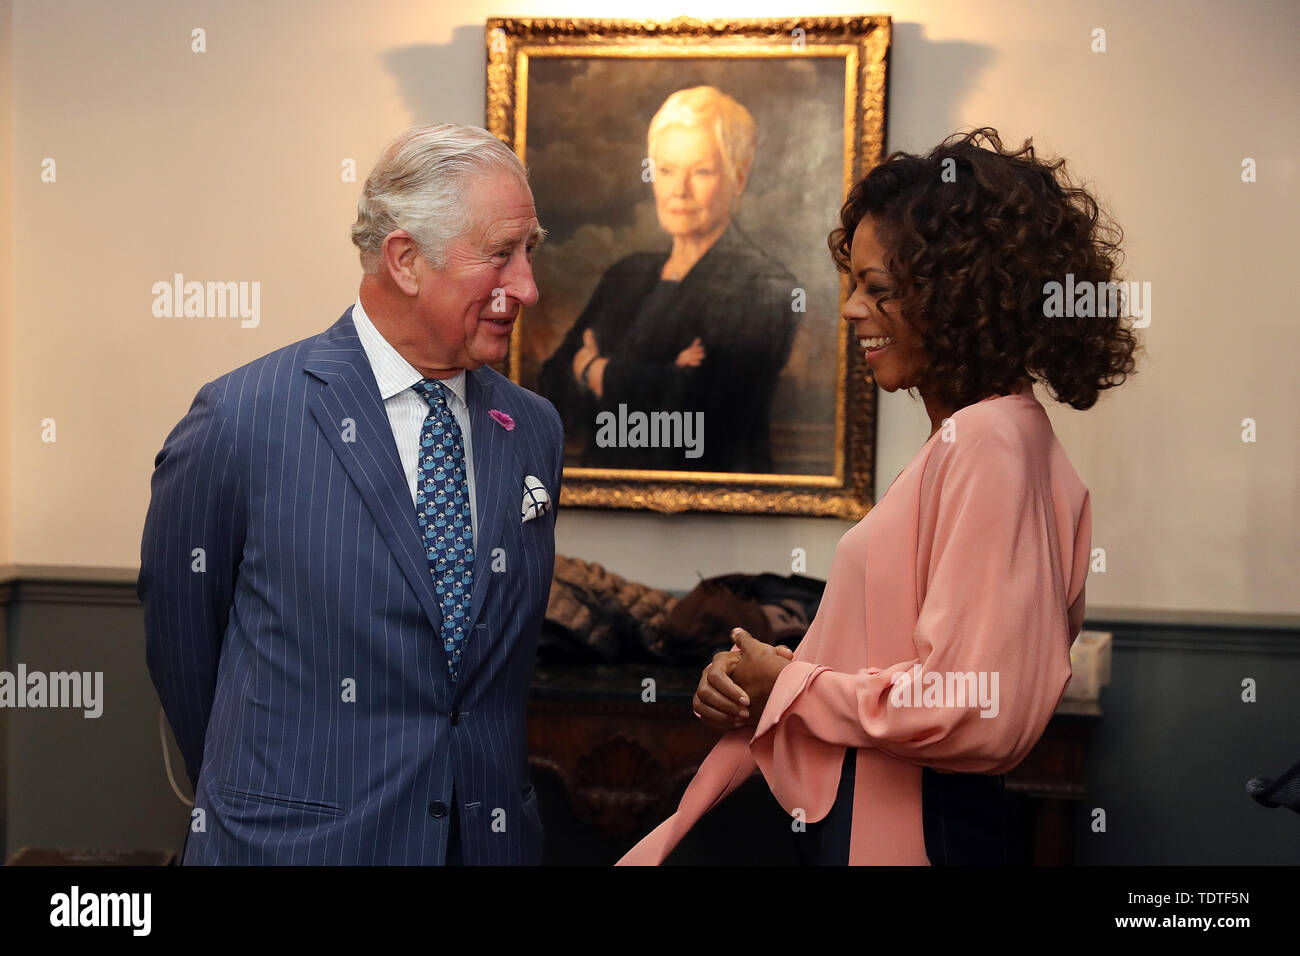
(501, 208)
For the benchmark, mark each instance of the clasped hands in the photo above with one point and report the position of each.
(734, 688)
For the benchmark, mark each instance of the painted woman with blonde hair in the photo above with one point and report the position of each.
(705, 327)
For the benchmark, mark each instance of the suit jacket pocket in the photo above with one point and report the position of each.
(251, 799)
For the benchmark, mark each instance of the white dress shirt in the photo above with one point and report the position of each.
(407, 409)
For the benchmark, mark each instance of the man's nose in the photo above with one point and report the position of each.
(519, 283)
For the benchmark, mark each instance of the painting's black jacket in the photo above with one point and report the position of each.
(738, 301)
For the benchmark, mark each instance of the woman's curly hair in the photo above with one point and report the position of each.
(972, 237)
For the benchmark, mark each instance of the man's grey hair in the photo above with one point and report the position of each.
(419, 185)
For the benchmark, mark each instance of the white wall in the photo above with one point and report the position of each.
(7, 362)
(225, 165)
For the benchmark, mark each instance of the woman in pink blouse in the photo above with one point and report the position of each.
(942, 644)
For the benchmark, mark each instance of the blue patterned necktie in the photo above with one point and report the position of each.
(442, 505)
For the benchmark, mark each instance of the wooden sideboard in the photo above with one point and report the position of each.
(622, 761)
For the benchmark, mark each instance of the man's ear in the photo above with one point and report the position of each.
(399, 257)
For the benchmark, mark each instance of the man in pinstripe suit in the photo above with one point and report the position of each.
(334, 703)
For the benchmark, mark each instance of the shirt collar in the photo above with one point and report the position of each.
(394, 374)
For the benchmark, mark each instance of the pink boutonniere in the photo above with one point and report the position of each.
(502, 419)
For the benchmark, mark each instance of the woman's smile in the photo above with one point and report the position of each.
(874, 345)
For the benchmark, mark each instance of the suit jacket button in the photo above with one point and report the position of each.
(455, 718)
(437, 809)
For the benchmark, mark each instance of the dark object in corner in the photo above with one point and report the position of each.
(1282, 792)
(774, 609)
(596, 617)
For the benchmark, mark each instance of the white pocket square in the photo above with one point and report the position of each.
(536, 501)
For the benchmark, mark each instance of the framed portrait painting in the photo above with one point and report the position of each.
(688, 330)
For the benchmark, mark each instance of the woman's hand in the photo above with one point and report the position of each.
(720, 701)
(757, 670)
(692, 355)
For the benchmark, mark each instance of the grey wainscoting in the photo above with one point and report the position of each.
(69, 781)
(1168, 765)
(1177, 744)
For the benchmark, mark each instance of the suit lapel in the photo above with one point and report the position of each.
(495, 468)
(367, 450)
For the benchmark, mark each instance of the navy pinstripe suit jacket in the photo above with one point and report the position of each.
(298, 654)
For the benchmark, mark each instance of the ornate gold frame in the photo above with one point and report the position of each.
(863, 44)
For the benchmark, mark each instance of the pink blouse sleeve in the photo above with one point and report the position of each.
(995, 610)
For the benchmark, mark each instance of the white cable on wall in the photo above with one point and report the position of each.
(167, 758)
